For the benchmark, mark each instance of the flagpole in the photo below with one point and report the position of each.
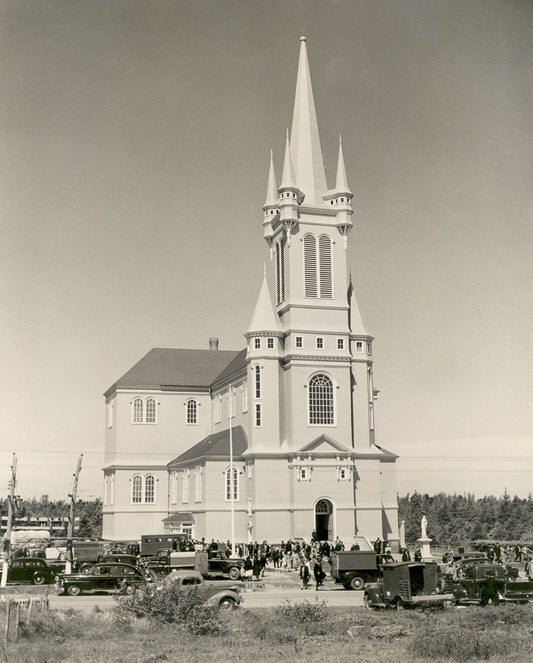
(232, 473)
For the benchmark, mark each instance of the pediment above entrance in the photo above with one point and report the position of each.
(324, 444)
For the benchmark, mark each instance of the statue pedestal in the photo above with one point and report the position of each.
(425, 549)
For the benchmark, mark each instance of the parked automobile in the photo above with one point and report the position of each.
(484, 582)
(407, 585)
(104, 577)
(356, 567)
(219, 564)
(223, 594)
(114, 558)
(30, 570)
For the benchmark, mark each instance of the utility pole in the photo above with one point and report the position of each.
(70, 527)
(10, 510)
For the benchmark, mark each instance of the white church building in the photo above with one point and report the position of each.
(301, 454)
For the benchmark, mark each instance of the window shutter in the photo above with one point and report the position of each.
(310, 276)
(326, 284)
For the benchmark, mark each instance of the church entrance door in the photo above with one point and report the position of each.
(324, 520)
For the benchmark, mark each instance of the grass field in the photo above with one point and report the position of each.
(311, 633)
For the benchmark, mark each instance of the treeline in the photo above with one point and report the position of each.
(458, 519)
(88, 514)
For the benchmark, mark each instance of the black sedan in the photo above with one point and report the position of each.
(104, 577)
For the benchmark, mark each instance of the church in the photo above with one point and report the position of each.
(277, 440)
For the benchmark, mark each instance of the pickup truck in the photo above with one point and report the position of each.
(209, 565)
(223, 594)
(353, 568)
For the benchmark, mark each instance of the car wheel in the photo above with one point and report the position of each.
(87, 570)
(39, 579)
(227, 603)
(74, 590)
(510, 578)
(128, 589)
(357, 583)
(234, 573)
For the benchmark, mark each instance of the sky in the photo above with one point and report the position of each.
(135, 142)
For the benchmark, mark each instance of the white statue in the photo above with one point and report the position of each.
(424, 527)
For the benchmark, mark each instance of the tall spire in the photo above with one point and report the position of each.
(272, 189)
(305, 140)
(341, 185)
(287, 178)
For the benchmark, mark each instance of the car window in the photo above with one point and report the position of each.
(17, 565)
(191, 581)
(117, 571)
(103, 571)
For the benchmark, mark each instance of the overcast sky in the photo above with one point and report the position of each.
(135, 139)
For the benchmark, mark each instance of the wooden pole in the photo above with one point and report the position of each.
(70, 526)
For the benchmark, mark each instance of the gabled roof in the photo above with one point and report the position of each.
(237, 364)
(215, 445)
(169, 367)
(324, 443)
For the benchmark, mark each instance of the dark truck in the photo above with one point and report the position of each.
(354, 568)
(483, 582)
(407, 585)
(209, 565)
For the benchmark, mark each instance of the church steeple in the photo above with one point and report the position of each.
(305, 139)
(272, 189)
(340, 198)
(290, 196)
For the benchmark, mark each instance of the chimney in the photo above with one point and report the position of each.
(213, 343)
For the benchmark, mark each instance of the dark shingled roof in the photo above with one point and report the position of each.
(216, 444)
(234, 366)
(167, 367)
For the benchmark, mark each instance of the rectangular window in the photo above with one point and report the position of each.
(359, 346)
(257, 343)
(270, 343)
(320, 343)
(340, 344)
(303, 474)
(258, 415)
(258, 382)
(231, 399)
(173, 488)
(198, 485)
(369, 349)
(299, 342)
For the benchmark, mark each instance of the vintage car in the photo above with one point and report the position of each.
(407, 585)
(223, 594)
(104, 577)
(219, 564)
(30, 570)
(113, 558)
(485, 582)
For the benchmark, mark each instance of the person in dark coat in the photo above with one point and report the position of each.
(256, 571)
(319, 574)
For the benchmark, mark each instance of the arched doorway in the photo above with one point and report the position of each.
(324, 520)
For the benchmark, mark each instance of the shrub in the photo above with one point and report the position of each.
(166, 602)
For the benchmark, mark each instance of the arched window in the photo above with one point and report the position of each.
(136, 489)
(318, 271)
(150, 411)
(280, 272)
(192, 411)
(138, 411)
(321, 410)
(149, 489)
(232, 482)
(311, 289)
